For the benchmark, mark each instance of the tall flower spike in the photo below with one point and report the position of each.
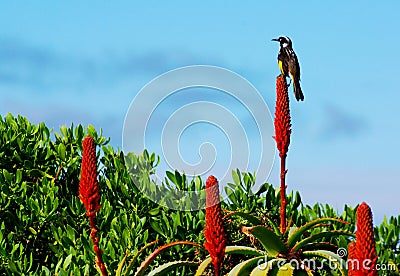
(282, 117)
(353, 264)
(214, 231)
(365, 241)
(89, 186)
(90, 196)
(282, 138)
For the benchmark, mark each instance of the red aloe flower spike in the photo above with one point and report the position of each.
(353, 263)
(90, 196)
(89, 186)
(282, 117)
(214, 231)
(365, 241)
(282, 138)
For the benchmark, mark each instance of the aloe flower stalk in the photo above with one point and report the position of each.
(282, 137)
(353, 264)
(214, 230)
(90, 196)
(365, 241)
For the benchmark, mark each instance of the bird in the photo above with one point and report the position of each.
(289, 64)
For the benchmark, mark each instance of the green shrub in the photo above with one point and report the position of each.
(44, 230)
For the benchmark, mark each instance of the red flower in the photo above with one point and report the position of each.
(89, 186)
(353, 264)
(365, 241)
(214, 231)
(282, 116)
(90, 196)
(282, 137)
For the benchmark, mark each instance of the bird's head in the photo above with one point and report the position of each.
(284, 41)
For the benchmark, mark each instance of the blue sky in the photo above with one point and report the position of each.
(85, 62)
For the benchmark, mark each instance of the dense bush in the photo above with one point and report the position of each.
(43, 228)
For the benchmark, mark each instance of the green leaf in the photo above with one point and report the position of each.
(92, 132)
(179, 180)
(58, 265)
(146, 263)
(262, 269)
(67, 261)
(245, 267)
(203, 266)
(286, 270)
(13, 267)
(243, 250)
(134, 258)
(154, 212)
(321, 235)
(236, 177)
(332, 257)
(165, 268)
(7, 176)
(271, 242)
(61, 151)
(296, 235)
(121, 264)
(171, 176)
(18, 176)
(33, 231)
(250, 218)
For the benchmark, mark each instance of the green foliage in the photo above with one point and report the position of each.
(44, 229)
(295, 245)
(263, 206)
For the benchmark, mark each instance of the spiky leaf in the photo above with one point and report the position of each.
(168, 267)
(331, 257)
(243, 250)
(245, 267)
(296, 235)
(146, 263)
(321, 235)
(271, 242)
(203, 266)
(229, 250)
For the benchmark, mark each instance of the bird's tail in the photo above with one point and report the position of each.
(297, 90)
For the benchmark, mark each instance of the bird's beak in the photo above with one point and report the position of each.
(275, 39)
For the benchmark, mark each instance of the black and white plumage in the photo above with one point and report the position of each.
(289, 64)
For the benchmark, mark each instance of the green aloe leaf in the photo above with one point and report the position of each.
(264, 268)
(331, 257)
(285, 270)
(229, 250)
(296, 235)
(146, 263)
(245, 267)
(271, 242)
(164, 269)
(243, 250)
(202, 267)
(321, 235)
(259, 271)
(320, 246)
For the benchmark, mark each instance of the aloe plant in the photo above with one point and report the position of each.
(295, 252)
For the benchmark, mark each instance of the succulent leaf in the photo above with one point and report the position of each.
(164, 269)
(296, 235)
(321, 235)
(245, 267)
(271, 242)
(332, 257)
